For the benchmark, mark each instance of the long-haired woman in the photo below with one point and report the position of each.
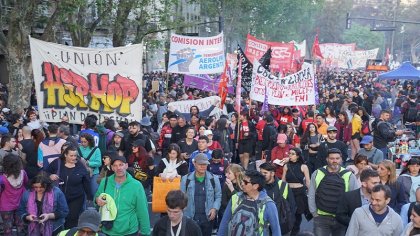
(234, 175)
(311, 140)
(296, 174)
(43, 207)
(173, 165)
(387, 175)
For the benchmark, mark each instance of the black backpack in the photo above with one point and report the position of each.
(411, 114)
(287, 217)
(329, 190)
(273, 136)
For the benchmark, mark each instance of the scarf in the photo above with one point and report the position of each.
(35, 228)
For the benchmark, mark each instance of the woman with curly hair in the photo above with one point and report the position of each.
(43, 207)
(12, 187)
(93, 158)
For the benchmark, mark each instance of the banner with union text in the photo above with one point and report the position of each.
(76, 81)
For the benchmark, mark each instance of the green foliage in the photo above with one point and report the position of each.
(363, 37)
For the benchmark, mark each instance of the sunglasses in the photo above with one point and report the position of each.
(246, 182)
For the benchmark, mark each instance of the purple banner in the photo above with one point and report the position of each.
(205, 82)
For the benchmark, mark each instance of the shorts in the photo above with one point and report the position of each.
(356, 136)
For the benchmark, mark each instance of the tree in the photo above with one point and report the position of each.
(363, 37)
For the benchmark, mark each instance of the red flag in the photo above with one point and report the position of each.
(223, 89)
(316, 50)
(238, 88)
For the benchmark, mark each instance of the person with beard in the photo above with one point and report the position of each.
(330, 142)
(351, 200)
(323, 196)
(377, 218)
(136, 134)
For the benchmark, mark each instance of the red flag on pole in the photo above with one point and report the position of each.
(238, 88)
(316, 50)
(223, 89)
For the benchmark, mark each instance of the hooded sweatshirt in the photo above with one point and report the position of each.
(12, 190)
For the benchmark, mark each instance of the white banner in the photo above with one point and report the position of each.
(77, 81)
(358, 58)
(196, 55)
(336, 55)
(293, 90)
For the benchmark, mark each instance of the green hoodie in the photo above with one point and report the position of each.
(131, 203)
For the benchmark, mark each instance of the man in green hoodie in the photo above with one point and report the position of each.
(130, 199)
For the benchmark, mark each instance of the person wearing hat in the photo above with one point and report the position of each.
(204, 194)
(89, 222)
(118, 143)
(330, 142)
(130, 199)
(375, 156)
(280, 154)
(212, 144)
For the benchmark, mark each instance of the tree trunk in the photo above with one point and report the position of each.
(18, 54)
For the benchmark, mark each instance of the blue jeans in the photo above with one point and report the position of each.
(93, 184)
(328, 225)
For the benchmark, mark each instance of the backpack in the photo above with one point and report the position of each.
(411, 114)
(103, 133)
(74, 230)
(329, 190)
(273, 136)
(367, 126)
(286, 216)
(247, 216)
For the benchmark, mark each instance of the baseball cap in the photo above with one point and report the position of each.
(118, 158)
(201, 159)
(91, 219)
(207, 132)
(3, 130)
(366, 139)
(281, 138)
(331, 128)
(119, 133)
(139, 142)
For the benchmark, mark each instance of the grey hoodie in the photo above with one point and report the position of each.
(362, 223)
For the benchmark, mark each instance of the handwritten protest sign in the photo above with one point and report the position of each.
(295, 89)
(345, 56)
(77, 81)
(359, 57)
(196, 55)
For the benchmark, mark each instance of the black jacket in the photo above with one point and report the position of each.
(323, 152)
(179, 133)
(74, 180)
(268, 143)
(349, 201)
(383, 133)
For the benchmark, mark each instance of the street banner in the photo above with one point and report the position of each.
(293, 90)
(281, 55)
(205, 82)
(202, 104)
(76, 81)
(359, 58)
(336, 55)
(196, 55)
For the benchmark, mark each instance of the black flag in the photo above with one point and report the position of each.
(246, 70)
(265, 59)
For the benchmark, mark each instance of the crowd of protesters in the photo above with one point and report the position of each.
(50, 172)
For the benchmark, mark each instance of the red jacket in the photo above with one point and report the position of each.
(278, 153)
(165, 136)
